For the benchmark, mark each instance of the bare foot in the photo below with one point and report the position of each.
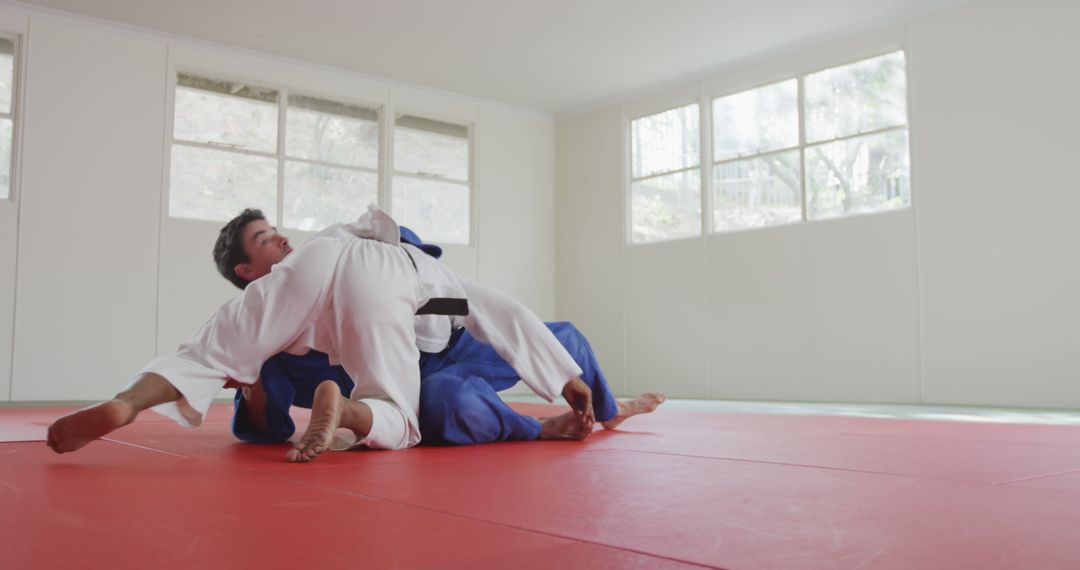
(325, 418)
(77, 429)
(643, 404)
(565, 426)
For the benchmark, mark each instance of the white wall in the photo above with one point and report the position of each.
(88, 211)
(590, 255)
(967, 297)
(9, 235)
(8, 254)
(517, 207)
(105, 280)
(996, 147)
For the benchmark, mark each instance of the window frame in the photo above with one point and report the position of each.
(799, 146)
(705, 99)
(704, 145)
(384, 169)
(803, 145)
(279, 154)
(387, 200)
(18, 66)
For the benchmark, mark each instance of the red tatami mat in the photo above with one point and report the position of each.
(674, 489)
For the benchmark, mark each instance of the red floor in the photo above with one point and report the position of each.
(672, 490)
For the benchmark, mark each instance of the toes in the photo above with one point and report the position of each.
(294, 455)
(304, 452)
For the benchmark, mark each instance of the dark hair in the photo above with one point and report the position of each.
(229, 248)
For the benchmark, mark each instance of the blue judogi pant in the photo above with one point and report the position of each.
(459, 402)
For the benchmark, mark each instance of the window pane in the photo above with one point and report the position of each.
(863, 174)
(5, 157)
(327, 131)
(755, 121)
(666, 207)
(214, 118)
(437, 211)
(757, 192)
(424, 146)
(856, 98)
(208, 184)
(318, 196)
(7, 73)
(665, 142)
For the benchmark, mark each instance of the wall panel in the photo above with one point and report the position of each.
(995, 121)
(90, 211)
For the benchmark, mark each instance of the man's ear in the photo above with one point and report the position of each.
(244, 271)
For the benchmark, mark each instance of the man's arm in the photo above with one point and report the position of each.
(579, 396)
(246, 331)
(250, 419)
(522, 339)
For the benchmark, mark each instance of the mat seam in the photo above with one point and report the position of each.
(1035, 478)
(482, 520)
(137, 446)
(967, 440)
(781, 463)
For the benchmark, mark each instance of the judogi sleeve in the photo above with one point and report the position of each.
(271, 314)
(520, 338)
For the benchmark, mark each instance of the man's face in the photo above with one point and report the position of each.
(264, 247)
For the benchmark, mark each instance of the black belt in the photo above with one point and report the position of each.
(450, 306)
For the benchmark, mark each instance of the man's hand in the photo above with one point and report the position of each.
(254, 400)
(579, 396)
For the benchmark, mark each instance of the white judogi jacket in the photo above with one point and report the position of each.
(356, 300)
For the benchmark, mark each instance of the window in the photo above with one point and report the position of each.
(665, 187)
(7, 113)
(228, 153)
(309, 162)
(852, 157)
(757, 179)
(431, 178)
(224, 152)
(824, 145)
(331, 162)
(856, 134)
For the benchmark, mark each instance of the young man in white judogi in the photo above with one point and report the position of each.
(460, 376)
(354, 299)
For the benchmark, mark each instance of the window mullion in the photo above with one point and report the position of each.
(386, 156)
(706, 187)
(858, 135)
(762, 154)
(226, 148)
(431, 178)
(366, 169)
(801, 98)
(283, 98)
(665, 173)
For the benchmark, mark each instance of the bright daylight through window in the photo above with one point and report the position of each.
(828, 144)
(665, 190)
(309, 162)
(7, 112)
(228, 154)
(431, 178)
(331, 162)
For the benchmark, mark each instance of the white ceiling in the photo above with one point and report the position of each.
(553, 56)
